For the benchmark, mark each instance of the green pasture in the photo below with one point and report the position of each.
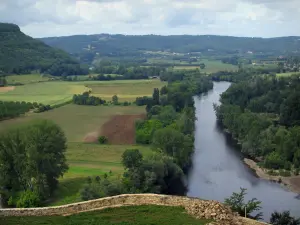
(75, 120)
(126, 215)
(51, 93)
(287, 74)
(26, 78)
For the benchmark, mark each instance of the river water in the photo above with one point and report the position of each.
(218, 169)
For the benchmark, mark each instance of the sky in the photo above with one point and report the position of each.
(251, 18)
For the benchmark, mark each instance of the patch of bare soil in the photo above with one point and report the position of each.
(120, 129)
(292, 183)
(6, 89)
(91, 137)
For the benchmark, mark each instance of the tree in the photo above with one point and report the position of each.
(237, 204)
(115, 100)
(132, 158)
(155, 96)
(283, 218)
(202, 66)
(32, 158)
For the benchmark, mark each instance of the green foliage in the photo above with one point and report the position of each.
(32, 158)
(283, 218)
(237, 203)
(86, 99)
(155, 97)
(115, 100)
(262, 114)
(145, 130)
(3, 82)
(10, 110)
(102, 140)
(28, 199)
(22, 54)
(132, 158)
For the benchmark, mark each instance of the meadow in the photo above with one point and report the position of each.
(287, 74)
(48, 93)
(57, 92)
(27, 78)
(211, 66)
(84, 159)
(126, 215)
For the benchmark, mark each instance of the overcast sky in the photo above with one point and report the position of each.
(263, 18)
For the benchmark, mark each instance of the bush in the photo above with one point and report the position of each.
(272, 173)
(28, 199)
(284, 173)
(102, 140)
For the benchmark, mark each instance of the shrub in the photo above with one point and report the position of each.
(102, 140)
(28, 199)
(284, 173)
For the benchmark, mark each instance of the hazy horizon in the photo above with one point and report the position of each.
(239, 18)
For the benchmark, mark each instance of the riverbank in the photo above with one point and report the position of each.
(292, 183)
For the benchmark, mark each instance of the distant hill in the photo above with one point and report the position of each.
(87, 46)
(20, 53)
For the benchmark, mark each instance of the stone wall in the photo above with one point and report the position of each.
(194, 206)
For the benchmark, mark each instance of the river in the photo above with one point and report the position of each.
(218, 169)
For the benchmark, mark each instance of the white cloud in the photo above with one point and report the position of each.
(40, 18)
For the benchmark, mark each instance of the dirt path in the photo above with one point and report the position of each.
(292, 183)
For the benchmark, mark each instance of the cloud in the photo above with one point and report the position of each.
(40, 18)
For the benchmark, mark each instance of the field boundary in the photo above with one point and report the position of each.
(194, 206)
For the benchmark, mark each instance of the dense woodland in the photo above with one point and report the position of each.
(89, 47)
(264, 115)
(21, 54)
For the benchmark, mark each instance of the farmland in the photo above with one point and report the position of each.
(26, 79)
(79, 122)
(287, 74)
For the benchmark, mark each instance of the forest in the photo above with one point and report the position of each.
(86, 47)
(21, 54)
(263, 114)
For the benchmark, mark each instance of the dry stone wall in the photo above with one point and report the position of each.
(194, 206)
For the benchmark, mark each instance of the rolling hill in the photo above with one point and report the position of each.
(20, 53)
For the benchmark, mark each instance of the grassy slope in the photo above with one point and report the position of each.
(75, 120)
(46, 92)
(138, 215)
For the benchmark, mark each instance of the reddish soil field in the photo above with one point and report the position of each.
(6, 89)
(120, 129)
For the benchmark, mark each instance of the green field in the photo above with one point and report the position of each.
(75, 120)
(89, 160)
(84, 159)
(26, 79)
(56, 92)
(126, 90)
(211, 66)
(287, 74)
(51, 93)
(127, 215)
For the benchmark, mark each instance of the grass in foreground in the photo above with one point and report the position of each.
(75, 120)
(138, 215)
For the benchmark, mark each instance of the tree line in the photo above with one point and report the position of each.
(264, 115)
(31, 161)
(3, 82)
